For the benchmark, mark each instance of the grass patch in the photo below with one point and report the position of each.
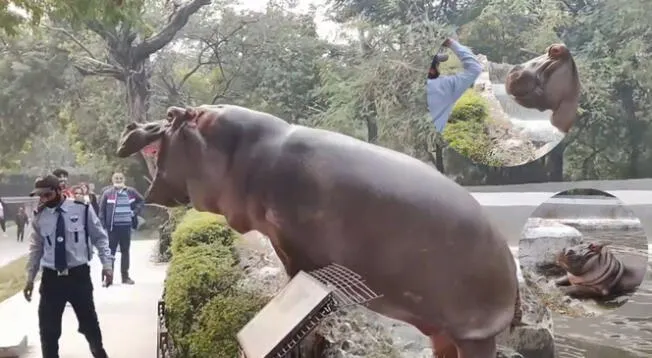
(13, 277)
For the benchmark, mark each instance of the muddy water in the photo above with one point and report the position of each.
(625, 332)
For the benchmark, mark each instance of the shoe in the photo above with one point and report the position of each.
(128, 281)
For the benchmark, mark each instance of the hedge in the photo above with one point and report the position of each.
(205, 305)
(466, 131)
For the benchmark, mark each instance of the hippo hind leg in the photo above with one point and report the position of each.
(482, 348)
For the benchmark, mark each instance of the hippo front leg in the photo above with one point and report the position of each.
(578, 291)
(290, 268)
(562, 281)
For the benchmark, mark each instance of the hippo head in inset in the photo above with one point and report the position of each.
(185, 162)
(581, 258)
(548, 82)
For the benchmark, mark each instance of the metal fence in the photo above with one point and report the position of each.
(164, 346)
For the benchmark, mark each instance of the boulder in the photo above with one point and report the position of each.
(541, 241)
(535, 338)
(356, 332)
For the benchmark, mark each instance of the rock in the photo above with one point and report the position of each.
(535, 339)
(541, 241)
(356, 332)
(504, 352)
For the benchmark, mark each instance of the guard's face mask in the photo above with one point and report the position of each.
(50, 199)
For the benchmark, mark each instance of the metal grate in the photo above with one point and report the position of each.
(348, 287)
(163, 344)
(291, 345)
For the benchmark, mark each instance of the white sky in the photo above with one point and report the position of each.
(326, 29)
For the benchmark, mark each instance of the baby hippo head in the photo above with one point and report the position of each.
(581, 258)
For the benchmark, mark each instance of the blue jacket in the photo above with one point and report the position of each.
(442, 92)
(107, 204)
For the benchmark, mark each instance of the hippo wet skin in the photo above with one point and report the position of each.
(548, 82)
(594, 272)
(415, 236)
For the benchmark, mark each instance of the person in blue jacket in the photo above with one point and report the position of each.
(443, 91)
(119, 209)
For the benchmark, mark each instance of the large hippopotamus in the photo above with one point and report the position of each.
(548, 82)
(416, 237)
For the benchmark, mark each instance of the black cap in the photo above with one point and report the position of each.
(59, 172)
(46, 184)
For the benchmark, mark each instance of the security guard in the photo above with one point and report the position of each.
(63, 231)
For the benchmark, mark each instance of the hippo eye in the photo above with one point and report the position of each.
(570, 253)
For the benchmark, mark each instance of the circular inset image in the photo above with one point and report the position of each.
(583, 252)
(502, 114)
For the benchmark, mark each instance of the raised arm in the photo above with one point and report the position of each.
(34, 253)
(99, 239)
(472, 67)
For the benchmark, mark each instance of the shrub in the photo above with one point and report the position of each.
(219, 321)
(471, 107)
(205, 305)
(466, 129)
(201, 228)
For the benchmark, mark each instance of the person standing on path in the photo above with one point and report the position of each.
(63, 232)
(62, 174)
(89, 196)
(443, 91)
(21, 220)
(119, 209)
(2, 218)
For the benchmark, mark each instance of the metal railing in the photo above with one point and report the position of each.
(164, 347)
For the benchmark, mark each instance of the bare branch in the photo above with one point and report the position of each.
(178, 20)
(73, 38)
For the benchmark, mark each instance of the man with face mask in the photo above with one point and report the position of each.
(61, 239)
(119, 209)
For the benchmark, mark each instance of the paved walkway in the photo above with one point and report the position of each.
(127, 314)
(10, 249)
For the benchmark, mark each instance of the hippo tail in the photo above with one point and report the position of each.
(517, 320)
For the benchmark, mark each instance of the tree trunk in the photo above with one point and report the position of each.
(137, 89)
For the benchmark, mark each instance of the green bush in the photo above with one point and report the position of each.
(205, 305)
(219, 321)
(201, 228)
(466, 131)
(471, 107)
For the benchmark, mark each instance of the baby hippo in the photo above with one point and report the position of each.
(592, 271)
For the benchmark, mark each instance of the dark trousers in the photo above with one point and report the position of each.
(20, 232)
(2, 225)
(121, 235)
(55, 291)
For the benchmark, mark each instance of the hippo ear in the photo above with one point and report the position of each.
(597, 247)
(177, 115)
(136, 136)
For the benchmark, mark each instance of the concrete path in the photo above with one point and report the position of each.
(127, 314)
(10, 249)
